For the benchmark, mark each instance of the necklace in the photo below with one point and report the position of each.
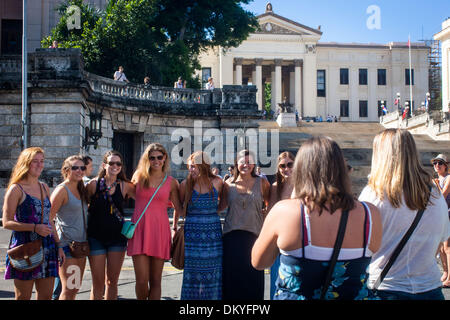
(244, 195)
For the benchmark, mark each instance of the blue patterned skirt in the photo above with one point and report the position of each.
(202, 276)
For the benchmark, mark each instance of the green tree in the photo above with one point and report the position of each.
(158, 38)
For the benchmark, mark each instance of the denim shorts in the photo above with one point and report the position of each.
(66, 250)
(435, 294)
(97, 247)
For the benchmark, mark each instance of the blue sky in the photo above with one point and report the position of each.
(345, 20)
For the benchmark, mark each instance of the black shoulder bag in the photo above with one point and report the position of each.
(336, 250)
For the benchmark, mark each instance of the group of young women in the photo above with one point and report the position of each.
(290, 226)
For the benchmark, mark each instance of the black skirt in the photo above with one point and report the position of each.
(240, 280)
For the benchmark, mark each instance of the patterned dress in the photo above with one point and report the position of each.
(202, 276)
(29, 211)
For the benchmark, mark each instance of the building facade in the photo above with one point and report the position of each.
(345, 80)
(444, 38)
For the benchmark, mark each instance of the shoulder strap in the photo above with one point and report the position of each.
(156, 191)
(336, 250)
(42, 202)
(398, 249)
(366, 228)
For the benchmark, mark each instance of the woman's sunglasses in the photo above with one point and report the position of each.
(117, 163)
(289, 165)
(441, 163)
(152, 158)
(75, 168)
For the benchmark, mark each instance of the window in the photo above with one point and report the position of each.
(344, 76)
(206, 73)
(407, 78)
(381, 77)
(363, 77)
(321, 83)
(344, 108)
(363, 109)
(11, 36)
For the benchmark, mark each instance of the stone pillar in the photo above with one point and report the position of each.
(258, 83)
(273, 88)
(291, 85)
(298, 86)
(278, 81)
(238, 63)
(309, 92)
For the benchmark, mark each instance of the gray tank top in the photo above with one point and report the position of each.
(244, 210)
(69, 221)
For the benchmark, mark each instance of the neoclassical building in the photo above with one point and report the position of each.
(346, 80)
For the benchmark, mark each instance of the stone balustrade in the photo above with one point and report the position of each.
(422, 123)
(64, 68)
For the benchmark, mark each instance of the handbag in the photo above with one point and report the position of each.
(28, 256)
(177, 249)
(129, 227)
(79, 249)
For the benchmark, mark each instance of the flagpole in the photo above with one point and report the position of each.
(410, 77)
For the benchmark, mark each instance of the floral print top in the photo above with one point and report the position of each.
(303, 278)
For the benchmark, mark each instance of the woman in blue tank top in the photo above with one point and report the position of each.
(304, 230)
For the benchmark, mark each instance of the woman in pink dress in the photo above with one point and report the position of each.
(151, 242)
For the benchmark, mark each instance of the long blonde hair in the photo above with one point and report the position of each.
(66, 167)
(203, 163)
(143, 170)
(397, 172)
(22, 166)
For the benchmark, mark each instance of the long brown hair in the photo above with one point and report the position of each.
(397, 172)
(241, 154)
(203, 163)
(22, 166)
(143, 170)
(102, 172)
(279, 177)
(320, 176)
(65, 169)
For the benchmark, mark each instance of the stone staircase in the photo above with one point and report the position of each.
(355, 140)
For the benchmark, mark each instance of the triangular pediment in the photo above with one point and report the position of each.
(271, 23)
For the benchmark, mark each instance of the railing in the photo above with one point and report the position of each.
(112, 88)
(10, 64)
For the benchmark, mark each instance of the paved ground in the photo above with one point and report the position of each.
(172, 279)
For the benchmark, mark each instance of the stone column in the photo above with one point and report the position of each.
(278, 81)
(238, 63)
(273, 87)
(292, 85)
(298, 85)
(258, 83)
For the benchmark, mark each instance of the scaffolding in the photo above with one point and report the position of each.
(434, 74)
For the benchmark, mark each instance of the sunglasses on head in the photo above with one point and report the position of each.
(75, 168)
(117, 163)
(441, 163)
(152, 158)
(290, 165)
